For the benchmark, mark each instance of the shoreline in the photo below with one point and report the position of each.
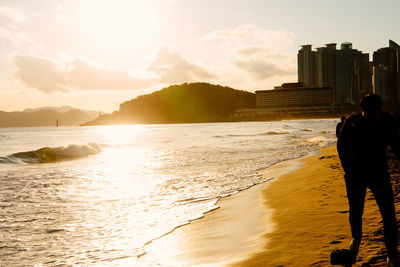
(245, 119)
(210, 241)
(296, 219)
(311, 212)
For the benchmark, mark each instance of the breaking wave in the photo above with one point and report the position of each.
(277, 132)
(52, 154)
(319, 140)
(306, 130)
(250, 135)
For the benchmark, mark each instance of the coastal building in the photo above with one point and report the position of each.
(346, 71)
(386, 73)
(295, 99)
(289, 86)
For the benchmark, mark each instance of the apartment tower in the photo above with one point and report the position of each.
(386, 69)
(346, 71)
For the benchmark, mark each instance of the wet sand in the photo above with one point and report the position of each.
(295, 220)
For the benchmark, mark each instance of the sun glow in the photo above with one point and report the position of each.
(118, 24)
(121, 134)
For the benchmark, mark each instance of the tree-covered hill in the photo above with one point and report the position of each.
(188, 102)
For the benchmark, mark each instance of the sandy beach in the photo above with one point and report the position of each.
(296, 219)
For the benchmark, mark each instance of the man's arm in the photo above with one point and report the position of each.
(394, 136)
(343, 144)
(339, 128)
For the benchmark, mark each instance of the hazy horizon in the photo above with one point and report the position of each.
(96, 54)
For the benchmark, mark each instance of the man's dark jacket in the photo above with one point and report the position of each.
(362, 147)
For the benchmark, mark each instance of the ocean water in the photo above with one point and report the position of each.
(95, 196)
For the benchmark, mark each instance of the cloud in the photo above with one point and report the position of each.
(49, 76)
(260, 57)
(263, 63)
(86, 77)
(257, 51)
(171, 67)
(14, 37)
(60, 17)
(251, 34)
(40, 73)
(10, 18)
(14, 14)
(247, 57)
(261, 69)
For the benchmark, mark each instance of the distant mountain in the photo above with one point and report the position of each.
(185, 103)
(62, 109)
(58, 109)
(44, 117)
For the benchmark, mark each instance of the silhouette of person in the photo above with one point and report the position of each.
(339, 125)
(362, 147)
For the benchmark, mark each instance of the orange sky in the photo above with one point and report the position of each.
(95, 54)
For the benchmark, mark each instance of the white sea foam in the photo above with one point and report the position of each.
(78, 150)
(318, 140)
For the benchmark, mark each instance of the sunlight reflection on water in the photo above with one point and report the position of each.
(147, 180)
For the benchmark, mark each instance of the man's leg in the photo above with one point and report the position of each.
(383, 193)
(356, 197)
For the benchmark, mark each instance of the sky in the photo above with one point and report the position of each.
(96, 54)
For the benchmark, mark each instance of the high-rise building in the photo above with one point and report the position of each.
(346, 71)
(306, 66)
(386, 69)
(325, 66)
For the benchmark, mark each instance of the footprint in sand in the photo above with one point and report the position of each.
(343, 211)
(326, 157)
(334, 166)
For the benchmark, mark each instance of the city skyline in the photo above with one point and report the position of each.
(66, 52)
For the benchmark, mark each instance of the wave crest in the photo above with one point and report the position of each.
(251, 135)
(53, 154)
(316, 140)
(277, 132)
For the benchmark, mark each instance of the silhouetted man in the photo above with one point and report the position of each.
(362, 146)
